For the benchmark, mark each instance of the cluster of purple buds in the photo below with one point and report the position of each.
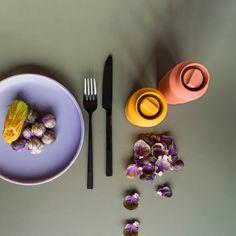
(37, 132)
(153, 155)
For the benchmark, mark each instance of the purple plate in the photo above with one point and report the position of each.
(47, 95)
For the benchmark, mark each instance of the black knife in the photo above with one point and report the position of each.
(107, 105)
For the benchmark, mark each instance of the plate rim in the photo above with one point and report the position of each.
(67, 167)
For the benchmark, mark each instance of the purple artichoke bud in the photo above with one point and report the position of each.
(131, 202)
(173, 152)
(26, 133)
(38, 129)
(49, 121)
(148, 169)
(133, 171)
(18, 145)
(164, 191)
(48, 137)
(131, 229)
(178, 165)
(165, 138)
(140, 160)
(158, 149)
(32, 116)
(141, 148)
(35, 146)
(148, 178)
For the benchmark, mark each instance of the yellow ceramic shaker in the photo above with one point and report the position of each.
(147, 107)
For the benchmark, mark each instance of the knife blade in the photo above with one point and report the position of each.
(107, 105)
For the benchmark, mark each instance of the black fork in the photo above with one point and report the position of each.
(90, 105)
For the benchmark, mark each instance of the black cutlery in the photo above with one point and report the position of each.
(107, 105)
(90, 105)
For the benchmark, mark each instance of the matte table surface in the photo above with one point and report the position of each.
(72, 39)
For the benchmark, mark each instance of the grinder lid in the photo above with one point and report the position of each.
(192, 78)
(149, 106)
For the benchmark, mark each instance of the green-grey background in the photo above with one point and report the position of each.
(72, 38)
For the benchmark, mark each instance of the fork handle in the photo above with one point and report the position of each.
(90, 156)
(108, 143)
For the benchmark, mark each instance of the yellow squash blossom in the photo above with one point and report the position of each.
(15, 119)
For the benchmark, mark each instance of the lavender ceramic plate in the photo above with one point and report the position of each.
(47, 95)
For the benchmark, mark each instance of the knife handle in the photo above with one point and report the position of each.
(90, 156)
(108, 143)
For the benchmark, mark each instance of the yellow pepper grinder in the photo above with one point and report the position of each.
(147, 107)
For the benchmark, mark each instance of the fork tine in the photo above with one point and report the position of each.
(95, 88)
(91, 86)
(88, 89)
(85, 87)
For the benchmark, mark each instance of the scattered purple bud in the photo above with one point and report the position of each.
(148, 169)
(49, 121)
(35, 146)
(164, 191)
(173, 152)
(154, 138)
(158, 149)
(167, 162)
(133, 171)
(160, 167)
(49, 137)
(148, 178)
(141, 148)
(131, 202)
(140, 160)
(132, 229)
(38, 129)
(178, 165)
(167, 139)
(18, 145)
(26, 133)
(32, 116)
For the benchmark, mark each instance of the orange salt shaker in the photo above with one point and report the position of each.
(147, 107)
(187, 81)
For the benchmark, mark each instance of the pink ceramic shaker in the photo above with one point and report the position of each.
(187, 81)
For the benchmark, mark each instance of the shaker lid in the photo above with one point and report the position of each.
(149, 106)
(192, 78)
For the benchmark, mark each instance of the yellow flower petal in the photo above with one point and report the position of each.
(15, 119)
